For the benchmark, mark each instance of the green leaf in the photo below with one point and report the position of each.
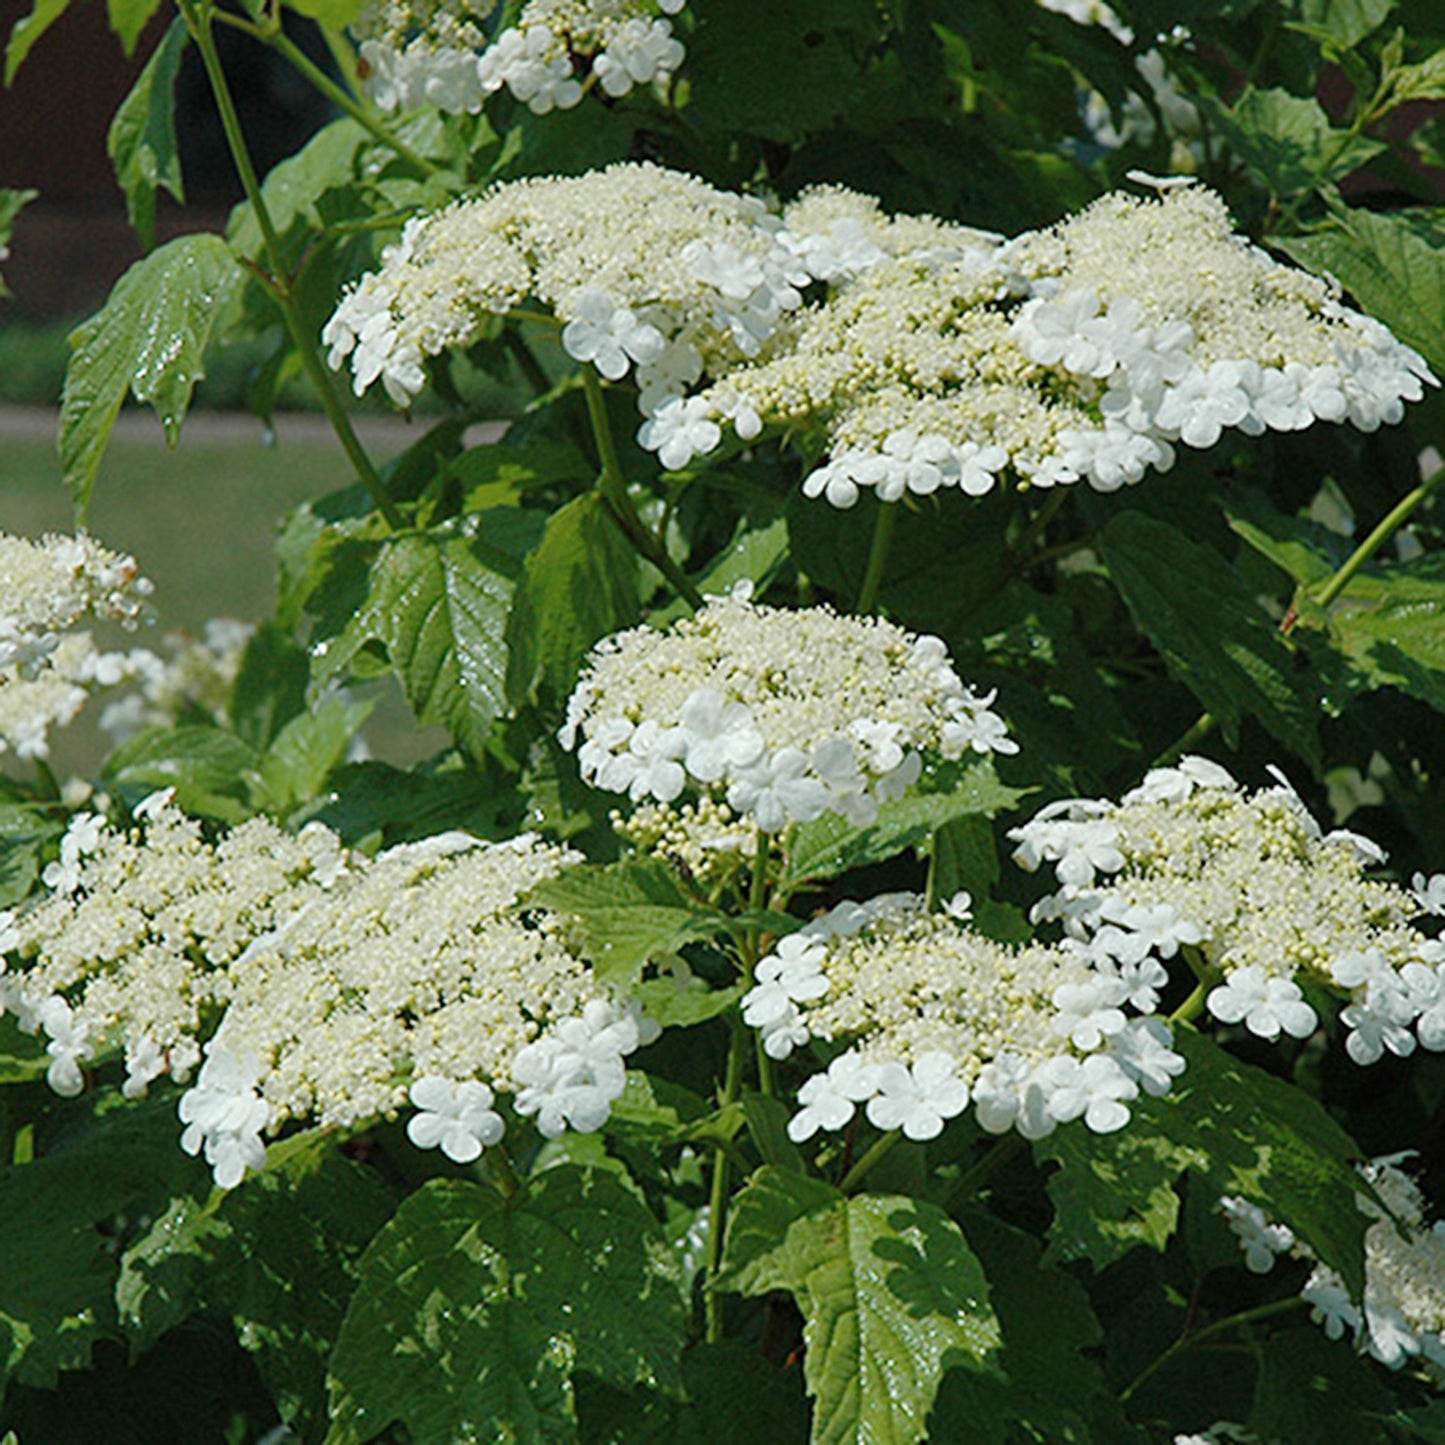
(1288, 141)
(129, 18)
(1342, 24)
(1425, 81)
(755, 555)
(832, 845)
(1313, 1388)
(28, 30)
(212, 771)
(768, 1125)
(1393, 266)
(280, 1257)
(1203, 619)
(295, 188)
(334, 15)
(1391, 625)
(1047, 1386)
(270, 686)
(437, 603)
(59, 1217)
(12, 202)
(890, 1292)
(1242, 1131)
(629, 913)
(297, 765)
(141, 142)
(24, 832)
(580, 584)
(148, 339)
(500, 472)
(473, 1311)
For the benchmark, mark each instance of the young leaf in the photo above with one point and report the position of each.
(141, 142)
(437, 602)
(1341, 24)
(148, 339)
(1393, 266)
(296, 766)
(128, 18)
(473, 1311)
(28, 30)
(580, 584)
(629, 913)
(1227, 652)
(890, 1292)
(1425, 81)
(212, 771)
(832, 845)
(1288, 141)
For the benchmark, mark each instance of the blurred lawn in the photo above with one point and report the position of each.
(202, 523)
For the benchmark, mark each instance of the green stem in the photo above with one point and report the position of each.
(1038, 525)
(1197, 732)
(199, 20)
(1389, 524)
(1188, 1342)
(285, 46)
(718, 1197)
(527, 362)
(499, 1164)
(855, 1176)
(613, 487)
(877, 556)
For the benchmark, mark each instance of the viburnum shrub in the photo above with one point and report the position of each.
(928, 924)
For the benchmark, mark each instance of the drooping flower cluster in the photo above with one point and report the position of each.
(1402, 1316)
(937, 1016)
(1048, 356)
(420, 53)
(789, 715)
(317, 983)
(48, 670)
(1268, 900)
(652, 273)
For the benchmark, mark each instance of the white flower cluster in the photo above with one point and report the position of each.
(1047, 356)
(1402, 1316)
(326, 986)
(195, 675)
(431, 53)
(700, 285)
(48, 670)
(1187, 859)
(937, 1017)
(706, 838)
(790, 715)
(48, 586)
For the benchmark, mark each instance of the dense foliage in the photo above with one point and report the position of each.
(925, 927)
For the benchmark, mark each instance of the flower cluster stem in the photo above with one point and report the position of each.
(199, 19)
(718, 1197)
(877, 557)
(1219, 1327)
(613, 487)
(860, 1171)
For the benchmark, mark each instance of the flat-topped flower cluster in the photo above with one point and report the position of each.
(788, 714)
(47, 668)
(912, 354)
(435, 53)
(653, 273)
(319, 984)
(1048, 357)
(1269, 901)
(936, 1016)
(1402, 1315)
